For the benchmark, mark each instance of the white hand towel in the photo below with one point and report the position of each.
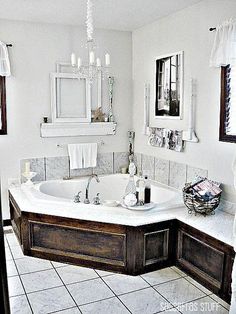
(76, 156)
(90, 155)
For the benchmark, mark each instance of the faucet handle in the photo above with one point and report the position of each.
(77, 197)
(96, 200)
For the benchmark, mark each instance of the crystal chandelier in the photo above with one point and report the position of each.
(90, 70)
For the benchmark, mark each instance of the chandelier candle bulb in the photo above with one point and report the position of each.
(91, 57)
(99, 62)
(107, 59)
(73, 59)
(79, 62)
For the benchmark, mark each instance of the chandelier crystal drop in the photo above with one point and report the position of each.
(93, 67)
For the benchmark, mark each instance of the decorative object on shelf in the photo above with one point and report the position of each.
(131, 136)
(29, 176)
(45, 119)
(111, 84)
(146, 109)
(90, 70)
(98, 115)
(202, 196)
(190, 135)
(170, 139)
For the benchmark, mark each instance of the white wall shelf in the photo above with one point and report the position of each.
(77, 129)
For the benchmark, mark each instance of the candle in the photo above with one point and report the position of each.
(73, 59)
(91, 57)
(27, 167)
(107, 59)
(99, 62)
(191, 105)
(79, 62)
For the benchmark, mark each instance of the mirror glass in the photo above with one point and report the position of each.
(169, 86)
(71, 98)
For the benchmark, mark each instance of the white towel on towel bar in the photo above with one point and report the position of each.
(82, 155)
(90, 155)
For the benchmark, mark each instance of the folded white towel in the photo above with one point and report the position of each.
(90, 155)
(76, 156)
(82, 155)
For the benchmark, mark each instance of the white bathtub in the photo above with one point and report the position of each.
(110, 187)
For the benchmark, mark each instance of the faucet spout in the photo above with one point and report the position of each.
(86, 201)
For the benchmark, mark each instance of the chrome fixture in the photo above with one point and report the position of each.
(96, 200)
(77, 197)
(86, 201)
(90, 70)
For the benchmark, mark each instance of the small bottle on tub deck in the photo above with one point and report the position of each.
(140, 187)
(147, 191)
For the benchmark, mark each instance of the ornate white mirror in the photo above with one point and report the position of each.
(169, 86)
(70, 98)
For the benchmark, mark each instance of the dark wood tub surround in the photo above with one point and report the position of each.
(126, 249)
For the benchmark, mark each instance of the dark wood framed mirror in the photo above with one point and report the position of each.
(3, 111)
(228, 104)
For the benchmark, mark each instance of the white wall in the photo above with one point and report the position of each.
(36, 48)
(186, 30)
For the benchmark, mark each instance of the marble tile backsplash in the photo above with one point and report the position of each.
(164, 171)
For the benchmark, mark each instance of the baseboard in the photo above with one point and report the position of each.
(6, 222)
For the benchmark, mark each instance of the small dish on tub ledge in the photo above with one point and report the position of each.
(111, 203)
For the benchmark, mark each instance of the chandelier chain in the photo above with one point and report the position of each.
(89, 20)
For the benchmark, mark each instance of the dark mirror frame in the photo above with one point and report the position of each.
(224, 105)
(3, 108)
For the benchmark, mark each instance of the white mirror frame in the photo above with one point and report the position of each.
(181, 53)
(54, 105)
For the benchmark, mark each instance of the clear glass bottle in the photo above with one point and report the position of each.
(140, 187)
(147, 191)
(130, 187)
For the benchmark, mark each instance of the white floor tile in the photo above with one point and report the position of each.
(179, 291)
(204, 305)
(41, 280)
(72, 274)
(220, 301)
(73, 310)
(145, 301)
(108, 306)
(11, 269)
(198, 285)
(11, 239)
(57, 264)
(17, 252)
(30, 264)
(180, 272)
(50, 300)
(15, 286)
(160, 276)
(104, 273)
(122, 284)
(171, 311)
(20, 305)
(89, 291)
(8, 254)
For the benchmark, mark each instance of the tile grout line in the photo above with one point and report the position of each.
(22, 285)
(66, 287)
(114, 293)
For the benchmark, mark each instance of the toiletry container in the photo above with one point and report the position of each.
(147, 191)
(140, 188)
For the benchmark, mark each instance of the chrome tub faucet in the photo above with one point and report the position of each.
(86, 201)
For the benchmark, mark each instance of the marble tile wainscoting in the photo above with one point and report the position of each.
(53, 168)
(167, 172)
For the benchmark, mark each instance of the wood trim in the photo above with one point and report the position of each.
(223, 137)
(3, 130)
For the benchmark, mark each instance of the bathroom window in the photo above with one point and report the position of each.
(3, 118)
(228, 104)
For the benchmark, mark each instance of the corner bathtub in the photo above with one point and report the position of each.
(110, 187)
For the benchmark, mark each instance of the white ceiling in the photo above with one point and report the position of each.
(125, 15)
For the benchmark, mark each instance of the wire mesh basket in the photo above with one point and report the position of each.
(197, 204)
